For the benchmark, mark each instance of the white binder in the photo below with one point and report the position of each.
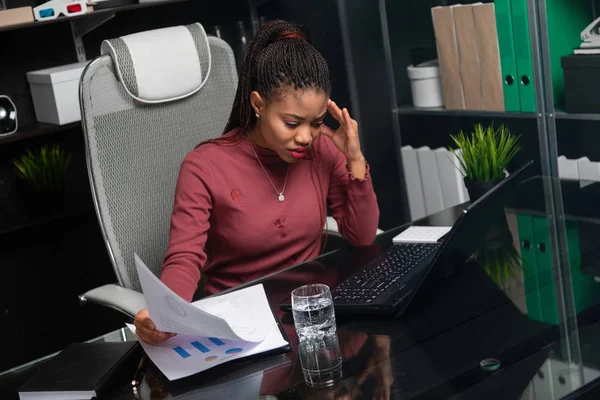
(414, 186)
(451, 178)
(588, 170)
(567, 169)
(432, 189)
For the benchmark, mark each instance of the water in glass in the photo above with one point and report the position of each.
(314, 319)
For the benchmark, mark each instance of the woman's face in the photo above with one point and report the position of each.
(289, 121)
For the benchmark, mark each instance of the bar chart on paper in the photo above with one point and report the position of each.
(184, 355)
(212, 349)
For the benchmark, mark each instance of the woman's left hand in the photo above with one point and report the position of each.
(345, 137)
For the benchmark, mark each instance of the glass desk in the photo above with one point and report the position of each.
(498, 306)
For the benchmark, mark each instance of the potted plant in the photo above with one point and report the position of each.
(484, 156)
(41, 174)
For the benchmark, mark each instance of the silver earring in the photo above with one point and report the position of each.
(257, 116)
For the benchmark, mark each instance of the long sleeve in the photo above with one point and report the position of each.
(352, 201)
(192, 206)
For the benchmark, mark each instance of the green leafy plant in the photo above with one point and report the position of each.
(43, 169)
(486, 152)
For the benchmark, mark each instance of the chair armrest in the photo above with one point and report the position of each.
(332, 227)
(121, 299)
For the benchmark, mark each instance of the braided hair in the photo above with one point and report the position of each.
(279, 56)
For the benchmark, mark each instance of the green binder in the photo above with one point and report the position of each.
(566, 20)
(525, 76)
(506, 43)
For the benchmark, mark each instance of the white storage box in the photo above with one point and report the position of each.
(55, 93)
(426, 85)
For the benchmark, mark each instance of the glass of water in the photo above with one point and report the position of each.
(314, 319)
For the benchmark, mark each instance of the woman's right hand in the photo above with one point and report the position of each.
(146, 330)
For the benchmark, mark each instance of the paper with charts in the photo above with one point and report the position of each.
(210, 331)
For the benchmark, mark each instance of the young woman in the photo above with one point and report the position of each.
(255, 200)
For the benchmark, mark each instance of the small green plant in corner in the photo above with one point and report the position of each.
(43, 169)
(485, 154)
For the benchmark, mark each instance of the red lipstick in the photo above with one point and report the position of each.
(298, 153)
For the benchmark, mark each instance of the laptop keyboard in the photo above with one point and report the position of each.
(386, 274)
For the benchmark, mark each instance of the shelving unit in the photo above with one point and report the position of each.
(580, 117)
(31, 223)
(36, 130)
(410, 110)
(576, 133)
(102, 12)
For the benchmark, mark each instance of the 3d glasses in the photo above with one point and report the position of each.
(54, 8)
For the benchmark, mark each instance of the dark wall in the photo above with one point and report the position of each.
(578, 138)
(410, 27)
(375, 102)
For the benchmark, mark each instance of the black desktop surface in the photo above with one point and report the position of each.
(436, 349)
(433, 351)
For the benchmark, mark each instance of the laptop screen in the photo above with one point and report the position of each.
(469, 233)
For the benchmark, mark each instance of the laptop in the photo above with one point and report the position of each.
(407, 274)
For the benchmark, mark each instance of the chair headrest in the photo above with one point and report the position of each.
(161, 65)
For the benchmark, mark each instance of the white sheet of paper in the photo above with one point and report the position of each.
(246, 310)
(233, 316)
(184, 355)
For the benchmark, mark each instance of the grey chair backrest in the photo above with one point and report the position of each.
(135, 145)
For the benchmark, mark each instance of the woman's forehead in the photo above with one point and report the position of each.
(307, 100)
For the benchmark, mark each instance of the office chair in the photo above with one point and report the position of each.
(146, 102)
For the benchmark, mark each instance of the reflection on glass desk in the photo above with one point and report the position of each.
(581, 202)
(499, 306)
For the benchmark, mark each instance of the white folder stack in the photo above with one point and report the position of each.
(433, 179)
(581, 168)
